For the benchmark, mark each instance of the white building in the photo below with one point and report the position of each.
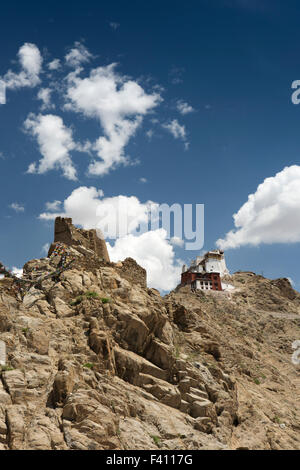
(211, 262)
(206, 272)
(214, 262)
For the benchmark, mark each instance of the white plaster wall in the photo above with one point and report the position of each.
(224, 269)
(203, 287)
(213, 265)
(226, 286)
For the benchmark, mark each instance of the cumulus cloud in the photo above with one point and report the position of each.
(143, 180)
(44, 94)
(176, 241)
(30, 61)
(118, 103)
(78, 55)
(17, 207)
(184, 108)
(53, 206)
(271, 214)
(54, 64)
(55, 142)
(88, 208)
(152, 250)
(177, 130)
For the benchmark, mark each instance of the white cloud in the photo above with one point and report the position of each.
(53, 206)
(55, 142)
(45, 248)
(150, 134)
(44, 95)
(184, 108)
(118, 103)
(153, 252)
(143, 180)
(271, 214)
(151, 249)
(54, 64)
(79, 54)
(177, 130)
(176, 241)
(2, 156)
(30, 61)
(291, 282)
(114, 25)
(17, 207)
(87, 207)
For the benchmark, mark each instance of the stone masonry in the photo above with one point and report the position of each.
(66, 232)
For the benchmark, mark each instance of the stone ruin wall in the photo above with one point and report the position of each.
(66, 232)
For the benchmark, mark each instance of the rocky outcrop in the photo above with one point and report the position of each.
(96, 360)
(134, 273)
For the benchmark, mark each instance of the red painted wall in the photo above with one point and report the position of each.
(188, 278)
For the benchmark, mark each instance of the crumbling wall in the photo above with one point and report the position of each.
(66, 232)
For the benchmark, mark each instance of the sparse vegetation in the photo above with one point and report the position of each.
(156, 440)
(76, 301)
(176, 351)
(91, 294)
(6, 368)
(88, 295)
(89, 365)
(276, 419)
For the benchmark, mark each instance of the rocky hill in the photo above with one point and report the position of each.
(96, 360)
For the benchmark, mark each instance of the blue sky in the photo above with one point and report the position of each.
(212, 116)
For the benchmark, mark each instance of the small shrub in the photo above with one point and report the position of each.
(91, 295)
(6, 368)
(105, 300)
(256, 381)
(25, 330)
(276, 420)
(156, 440)
(76, 301)
(88, 295)
(89, 365)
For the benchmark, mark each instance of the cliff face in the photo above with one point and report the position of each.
(96, 360)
